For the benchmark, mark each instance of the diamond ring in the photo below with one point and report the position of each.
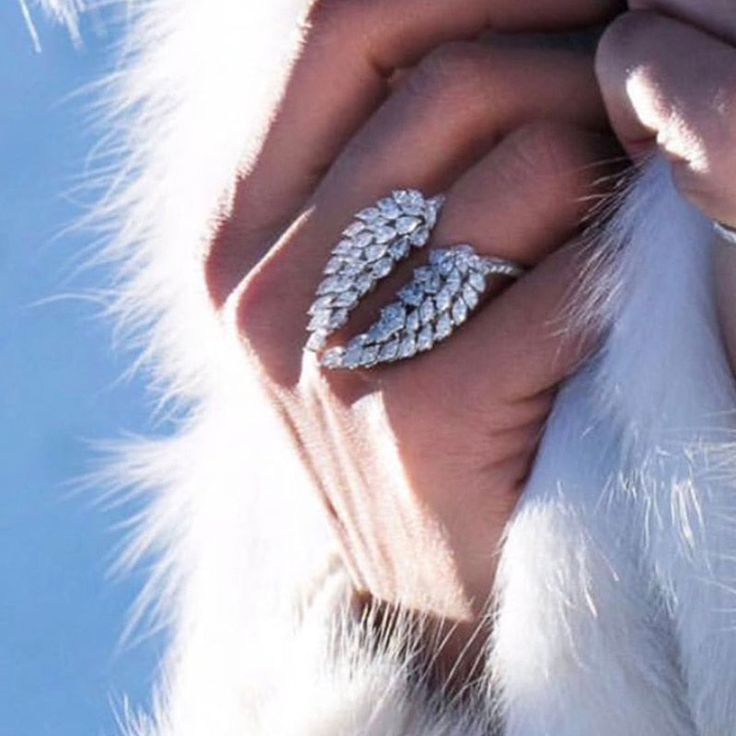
(370, 248)
(427, 310)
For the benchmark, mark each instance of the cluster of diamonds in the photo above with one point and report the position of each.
(437, 300)
(378, 238)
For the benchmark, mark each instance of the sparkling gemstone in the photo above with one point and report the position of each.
(425, 339)
(406, 225)
(352, 356)
(364, 283)
(444, 327)
(353, 228)
(419, 237)
(384, 233)
(410, 200)
(400, 248)
(389, 208)
(382, 268)
(459, 311)
(412, 294)
(438, 255)
(338, 319)
(324, 302)
(380, 332)
(332, 285)
(369, 356)
(347, 299)
(470, 296)
(446, 265)
(408, 347)
(426, 311)
(432, 210)
(363, 240)
(393, 317)
(333, 265)
(433, 284)
(374, 252)
(333, 358)
(412, 320)
(454, 281)
(389, 351)
(423, 274)
(369, 215)
(320, 320)
(343, 247)
(477, 281)
(316, 340)
(352, 267)
(359, 341)
(443, 299)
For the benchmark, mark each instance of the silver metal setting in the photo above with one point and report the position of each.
(726, 233)
(370, 247)
(440, 297)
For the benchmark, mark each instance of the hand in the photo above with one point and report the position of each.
(668, 74)
(419, 464)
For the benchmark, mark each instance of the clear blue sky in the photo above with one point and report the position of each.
(60, 615)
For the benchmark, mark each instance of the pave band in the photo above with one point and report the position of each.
(426, 311)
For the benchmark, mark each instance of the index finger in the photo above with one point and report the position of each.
(349, 52)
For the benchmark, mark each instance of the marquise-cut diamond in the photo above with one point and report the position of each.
(400, 248)
(364, 283)
(393, 317)
(353, 228)
(321, 303)
(347, 299)
(408, 347)
(338, 319)
(343, 247)
(362, 240)
(412, 294)
(374, 252)
(333, 265)
(369, 356)
(477, 281)
(352, 356)
(426, 311)
(413, 321)
(444, 327)
(443, 299)
(389, 351)
(333, 285)
(410, 201)
(320, 320)
(419, 237)
(369, 215)
(459, 311)
(382, 268)
(425, 339)
(406, 224)
(389, 208)
(470, 296)
(384, 233)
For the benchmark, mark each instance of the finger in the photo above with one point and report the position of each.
(551, 166)
(671, 85)
(349, 53)
(460, 99)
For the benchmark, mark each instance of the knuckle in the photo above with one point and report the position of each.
(545, 149)
(452, 70)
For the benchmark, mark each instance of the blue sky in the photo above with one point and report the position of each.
(61, 616)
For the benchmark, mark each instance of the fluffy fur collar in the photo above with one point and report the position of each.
(615, 596)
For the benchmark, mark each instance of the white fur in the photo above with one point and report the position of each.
(615, 591)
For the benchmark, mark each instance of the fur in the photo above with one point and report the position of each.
(614, 609)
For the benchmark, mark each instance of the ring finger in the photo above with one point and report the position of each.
(465, 98)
